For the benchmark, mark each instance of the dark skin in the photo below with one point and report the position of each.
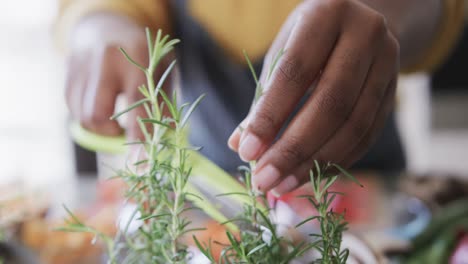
(352, 53)
(351, 50)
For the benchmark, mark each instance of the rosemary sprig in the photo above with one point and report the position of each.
(74, 224)
(160, 192)
(156, 184)
(332, 224)
(259, 242)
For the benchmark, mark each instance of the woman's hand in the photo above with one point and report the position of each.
(346, 51)
(97, 72)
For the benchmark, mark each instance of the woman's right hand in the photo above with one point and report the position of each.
(97, 72)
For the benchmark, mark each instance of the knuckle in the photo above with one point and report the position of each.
(334, 106)
(95, 119)
(348, 61)
(263, 123)
(289, 70)
(391, 52)
(378, 25)
(292, 150)
(394, 46)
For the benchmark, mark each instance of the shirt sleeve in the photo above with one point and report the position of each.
(147, 13)
(448, 33)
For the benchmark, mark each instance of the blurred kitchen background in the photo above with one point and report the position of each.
(37, 154)
(35, 148)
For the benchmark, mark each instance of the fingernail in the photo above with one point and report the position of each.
(265, 178)
(233, 141)
(275, 193)
(249, 147)
(287, 185)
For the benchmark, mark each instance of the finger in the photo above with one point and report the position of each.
(100, 95)
(383, 71)
(294, 73)
(276, 46)
(234, 139)
(328, 108)
(290, 183)
(371, 136)
(301, 174)
(273, 53)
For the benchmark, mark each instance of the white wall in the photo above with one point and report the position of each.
(33, 141)
(428, 150)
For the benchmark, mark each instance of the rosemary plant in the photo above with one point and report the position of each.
(158, 186)
(332, 224)
(258, 242)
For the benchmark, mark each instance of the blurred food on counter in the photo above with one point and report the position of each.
(423, 217)
(26, 223)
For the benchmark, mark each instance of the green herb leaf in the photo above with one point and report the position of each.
(257, 248)
(157, 122)
(131, 107)
(165, 75)
(190, 110)
(347, 174)
(131, 60)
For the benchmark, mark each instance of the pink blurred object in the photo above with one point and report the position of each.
(357, 203)
(460, 255)
(111, 190)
